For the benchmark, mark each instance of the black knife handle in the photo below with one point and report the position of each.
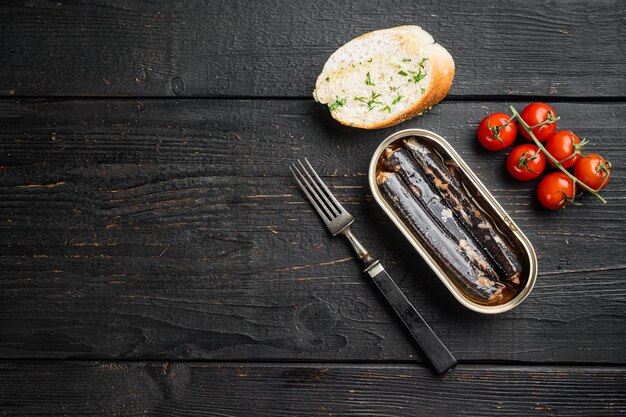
(440, 357)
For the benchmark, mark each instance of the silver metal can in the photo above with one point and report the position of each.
(486, 201)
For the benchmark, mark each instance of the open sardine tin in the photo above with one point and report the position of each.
(488, 203)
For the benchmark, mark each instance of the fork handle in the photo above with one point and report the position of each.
(361, 253)
(440, 357)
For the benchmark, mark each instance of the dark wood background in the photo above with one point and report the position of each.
(156, 257)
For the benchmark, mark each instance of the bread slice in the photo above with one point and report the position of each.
(385, 77)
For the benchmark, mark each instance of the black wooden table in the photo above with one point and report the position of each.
(156, 257)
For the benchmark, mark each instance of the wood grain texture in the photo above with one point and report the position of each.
(243, 48)
(171, 229)
(183, 389)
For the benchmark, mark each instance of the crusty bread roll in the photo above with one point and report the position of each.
(385, 77)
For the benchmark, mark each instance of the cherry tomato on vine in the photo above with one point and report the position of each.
(497, 131)
(565, 147)
(536, 113)
(593, 170)
(556, 190)
(525, 162)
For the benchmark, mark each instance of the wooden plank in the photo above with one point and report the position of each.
(182, 389)
(242, 48)
(172, 229)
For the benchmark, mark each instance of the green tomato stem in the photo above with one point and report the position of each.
(528, 130)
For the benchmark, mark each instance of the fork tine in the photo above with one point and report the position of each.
(317, 205)
(338, 206)
(334, 211)
(312, 195)
(315, 190)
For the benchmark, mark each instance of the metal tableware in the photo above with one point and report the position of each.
(338, 221)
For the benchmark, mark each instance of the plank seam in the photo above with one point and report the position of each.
(449, 99)
(339, 363)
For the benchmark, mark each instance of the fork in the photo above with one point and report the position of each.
(338, 221)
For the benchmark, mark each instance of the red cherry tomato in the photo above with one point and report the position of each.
(565, 147)
(497, 131)
(593, 170)
(556, 190)
(536, 113)
(525, 162)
